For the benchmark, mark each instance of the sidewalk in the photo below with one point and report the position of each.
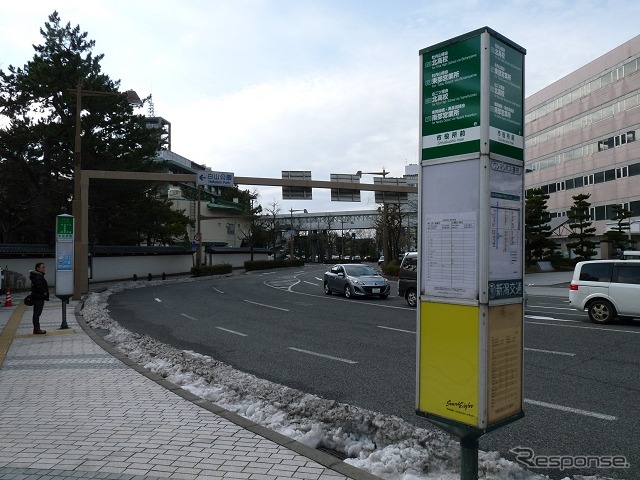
(71, 406)
(552, 284)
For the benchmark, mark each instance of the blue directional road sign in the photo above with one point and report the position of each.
(214, 179)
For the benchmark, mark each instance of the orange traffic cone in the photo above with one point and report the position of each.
(8, 302)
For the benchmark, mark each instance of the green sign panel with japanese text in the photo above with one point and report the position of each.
(506, 74)
(451, 100)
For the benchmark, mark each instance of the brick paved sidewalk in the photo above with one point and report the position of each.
(70, 408)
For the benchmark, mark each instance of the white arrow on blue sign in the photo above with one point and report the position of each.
(215, 179)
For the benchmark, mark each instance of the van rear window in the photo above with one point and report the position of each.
(596, 272)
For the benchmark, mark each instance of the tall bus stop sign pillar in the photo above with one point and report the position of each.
(471, 239)
(64, 262)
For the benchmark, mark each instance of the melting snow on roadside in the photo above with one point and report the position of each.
(383, 445)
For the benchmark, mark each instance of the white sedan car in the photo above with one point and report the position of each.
(355, 280)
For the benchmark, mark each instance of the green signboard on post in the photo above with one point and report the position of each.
(64, 227)
(460, 84)
(506, 77)
(451, 99)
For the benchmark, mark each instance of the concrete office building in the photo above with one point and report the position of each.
(582, 136)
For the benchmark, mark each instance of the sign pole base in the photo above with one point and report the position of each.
(65, 301)
(469, 458)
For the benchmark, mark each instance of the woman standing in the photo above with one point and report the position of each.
(39, 293)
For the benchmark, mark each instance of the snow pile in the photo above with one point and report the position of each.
(383, 445)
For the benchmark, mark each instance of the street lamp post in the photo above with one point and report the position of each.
(293, 230)
(342, 238)
(80, 202)
(385, 215)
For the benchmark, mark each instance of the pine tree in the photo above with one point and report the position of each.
(618, 235)
(537, 244)
(582, 229)
(37, 144)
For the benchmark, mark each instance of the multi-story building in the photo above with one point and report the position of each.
(582, 136)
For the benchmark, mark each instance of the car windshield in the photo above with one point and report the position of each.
(359, 270)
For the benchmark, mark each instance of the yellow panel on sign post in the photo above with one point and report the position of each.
(504, 382)
(448, 360)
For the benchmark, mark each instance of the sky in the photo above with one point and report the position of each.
(257, 87)
(383, 445)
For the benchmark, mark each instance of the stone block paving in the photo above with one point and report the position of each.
(69, 409)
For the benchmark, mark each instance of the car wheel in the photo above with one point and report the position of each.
(412, 297)
(601, 311)
(347, 291)
(327, 289)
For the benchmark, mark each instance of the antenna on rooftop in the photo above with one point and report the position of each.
(152, 112)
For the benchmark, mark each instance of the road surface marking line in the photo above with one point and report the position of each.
(538, 317)
(187, 316)
(158, 300)
(232, 331)
(550, 308)
(268, 306)
(551, 351)
(396, 329)
(216, 290)
(587, 328)
(311, 283)
(322, 355)
(578, 411)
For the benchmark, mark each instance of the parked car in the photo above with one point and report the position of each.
(355, 280)
(408, 278)
(381, 260)
(606, 289)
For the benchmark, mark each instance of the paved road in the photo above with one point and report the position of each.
(580, 379)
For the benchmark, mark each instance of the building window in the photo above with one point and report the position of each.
(622, 172)
(610, 175)
(231, 228)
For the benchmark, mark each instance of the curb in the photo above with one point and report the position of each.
(324, 459)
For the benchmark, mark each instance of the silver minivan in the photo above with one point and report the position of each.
(607, 289)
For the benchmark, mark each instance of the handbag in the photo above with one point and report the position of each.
(28, 300)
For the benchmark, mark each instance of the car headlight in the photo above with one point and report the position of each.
(356, 281)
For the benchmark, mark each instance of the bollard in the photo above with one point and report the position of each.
(135, 277)
(149, 277)
(164, 276)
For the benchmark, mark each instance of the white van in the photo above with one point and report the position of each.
(631, 255)
(606, 289)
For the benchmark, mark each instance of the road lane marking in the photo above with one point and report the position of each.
(538, 317)
(551, 351)
(158, 300)
(578, 411)
(187, 316)
(636, 332)
(268, 306)
(396, 329)
(322, 355)
(216, 290)
(311, 283)
(232, 331)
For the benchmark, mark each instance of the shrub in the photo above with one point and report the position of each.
(205, 270)
(268, 264)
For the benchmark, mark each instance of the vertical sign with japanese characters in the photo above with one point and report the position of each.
(451, 100)
(506, 121)
(64, 255)
(470, 315)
